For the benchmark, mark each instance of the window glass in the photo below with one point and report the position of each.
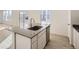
(7, 14)
(45, 16)
(23, 19)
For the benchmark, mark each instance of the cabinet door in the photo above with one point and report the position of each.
(74, 38)
(40, 42)
(34, 42)
(35, 45)
(42, 39)
(22, 42)
(77, 40)
(47, 34)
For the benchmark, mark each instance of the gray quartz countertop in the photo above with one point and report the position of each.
(28, 33)
(4, 34)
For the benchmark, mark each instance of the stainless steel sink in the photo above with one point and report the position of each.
(35, 28)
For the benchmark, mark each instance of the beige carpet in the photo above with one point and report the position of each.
(58, 42)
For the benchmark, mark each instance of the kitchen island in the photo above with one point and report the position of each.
(31, 39)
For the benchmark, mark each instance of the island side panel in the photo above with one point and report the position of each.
(22, 42)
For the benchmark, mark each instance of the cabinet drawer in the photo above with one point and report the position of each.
(34, 39)
(44, 31)
(34, 45)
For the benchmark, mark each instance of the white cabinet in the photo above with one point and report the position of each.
(22, 42)
(75, 38)
(42, 39)
(34, 42)
(37, 42)
(34, 45)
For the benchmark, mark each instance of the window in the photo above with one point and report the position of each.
(23, 19)
(45, 16)
(7, 14)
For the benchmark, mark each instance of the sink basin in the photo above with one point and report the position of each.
(35, 28)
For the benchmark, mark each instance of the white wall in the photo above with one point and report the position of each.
(34, 14)
(75, 16)
(60, 22)
(14, 19)
(0, 16)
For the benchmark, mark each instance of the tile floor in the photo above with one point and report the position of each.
(58, 42)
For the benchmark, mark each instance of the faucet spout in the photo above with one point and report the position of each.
(31, 22)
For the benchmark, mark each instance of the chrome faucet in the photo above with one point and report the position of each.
(32, 21)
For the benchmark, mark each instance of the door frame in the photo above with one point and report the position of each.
(70, 29)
